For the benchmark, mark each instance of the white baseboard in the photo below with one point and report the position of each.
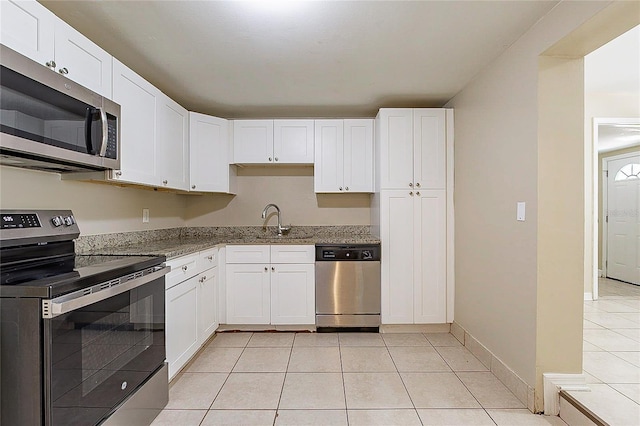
(553, 383)
(588, 296)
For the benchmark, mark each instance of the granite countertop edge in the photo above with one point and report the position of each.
(182, 245)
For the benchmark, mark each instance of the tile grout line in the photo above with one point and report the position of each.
(401, 379)
(284, 380)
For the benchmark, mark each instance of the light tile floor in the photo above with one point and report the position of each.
(340, 379)
(611, 353)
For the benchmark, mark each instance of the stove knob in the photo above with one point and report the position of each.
(69, 220)
(56, 221)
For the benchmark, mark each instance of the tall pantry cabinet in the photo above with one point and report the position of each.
(413, 214)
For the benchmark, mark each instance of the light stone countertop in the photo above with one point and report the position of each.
(178, 242)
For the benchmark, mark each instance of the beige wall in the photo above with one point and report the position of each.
(500, 299)
(291, 188)
(99, 208)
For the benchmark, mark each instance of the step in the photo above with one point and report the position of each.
(602, 405)
(574, 413)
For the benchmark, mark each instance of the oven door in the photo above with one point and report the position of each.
(98, 354)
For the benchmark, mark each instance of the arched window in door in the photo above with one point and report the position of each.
(628, 172)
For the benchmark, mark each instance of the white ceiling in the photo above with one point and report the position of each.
(304, 58)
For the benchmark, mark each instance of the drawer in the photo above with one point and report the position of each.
(248, 254)
(207, 259)
(182, 268)
(293, 254)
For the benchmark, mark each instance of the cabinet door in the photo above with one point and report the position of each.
(430, 261)
(248, 294)
(138, 101)
(28, 28)
(207, 304)
(358, 155)
(173, 144)
(209, 153)
(82, 60)
(429, 148)
(182, 324)
(293, 141)
(293, 294)
(253, 141)
(328, 158)
(396, 147)
(398, 256)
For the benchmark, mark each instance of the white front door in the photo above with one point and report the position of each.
(623, 212)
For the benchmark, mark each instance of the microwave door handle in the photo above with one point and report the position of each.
(105, 131)
(88, 119)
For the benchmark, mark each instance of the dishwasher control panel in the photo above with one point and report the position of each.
(346, 252)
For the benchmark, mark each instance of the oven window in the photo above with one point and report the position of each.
(101, 353)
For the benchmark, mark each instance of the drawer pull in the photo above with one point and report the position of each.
(185, 267)
(210, 257)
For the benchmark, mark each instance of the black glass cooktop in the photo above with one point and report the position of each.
(64, 274)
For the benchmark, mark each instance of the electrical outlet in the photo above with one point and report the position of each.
(145, 215)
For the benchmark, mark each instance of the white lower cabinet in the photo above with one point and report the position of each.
(413, 265)
(191, 302)
(261, 292)
(181, 303)
(292, 294)
(248, 294)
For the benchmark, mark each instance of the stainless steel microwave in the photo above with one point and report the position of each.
(48, 122)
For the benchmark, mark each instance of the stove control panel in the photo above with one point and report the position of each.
(26, 227)
(20, 220)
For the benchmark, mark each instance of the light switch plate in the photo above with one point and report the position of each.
(145, 215)
(520, 211)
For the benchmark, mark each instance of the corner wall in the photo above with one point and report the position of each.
(497, 258)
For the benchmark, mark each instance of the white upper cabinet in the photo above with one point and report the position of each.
(172, 144)
(27, 27)
(138, 101)
(253, 141)
(33, 31)
(358, 155)
(81, 60)
(412, 148)
(273, 141)
(328, 173)
(293, 141)
(343, 156)
(209, 152)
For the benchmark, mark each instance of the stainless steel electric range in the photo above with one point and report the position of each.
(82, 338)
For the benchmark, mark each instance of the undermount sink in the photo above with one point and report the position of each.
(285, 237)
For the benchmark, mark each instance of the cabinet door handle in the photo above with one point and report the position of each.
(63, 71)
(418, 193)
(273, 269)
(340, 188)
(417, 184)
(193, 187)
(185, 267)
(210, 257)
(266, 269)
(51, 64)
(118, 173)
(346, 188)
(165, 181)
(410, 185)
(276, 158)
(269, 158)
(411, 193)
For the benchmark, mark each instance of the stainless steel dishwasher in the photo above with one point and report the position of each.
(348, 285)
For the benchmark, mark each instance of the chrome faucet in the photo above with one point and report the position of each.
(281, 228)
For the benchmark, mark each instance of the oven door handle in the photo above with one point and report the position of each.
(51, 308)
